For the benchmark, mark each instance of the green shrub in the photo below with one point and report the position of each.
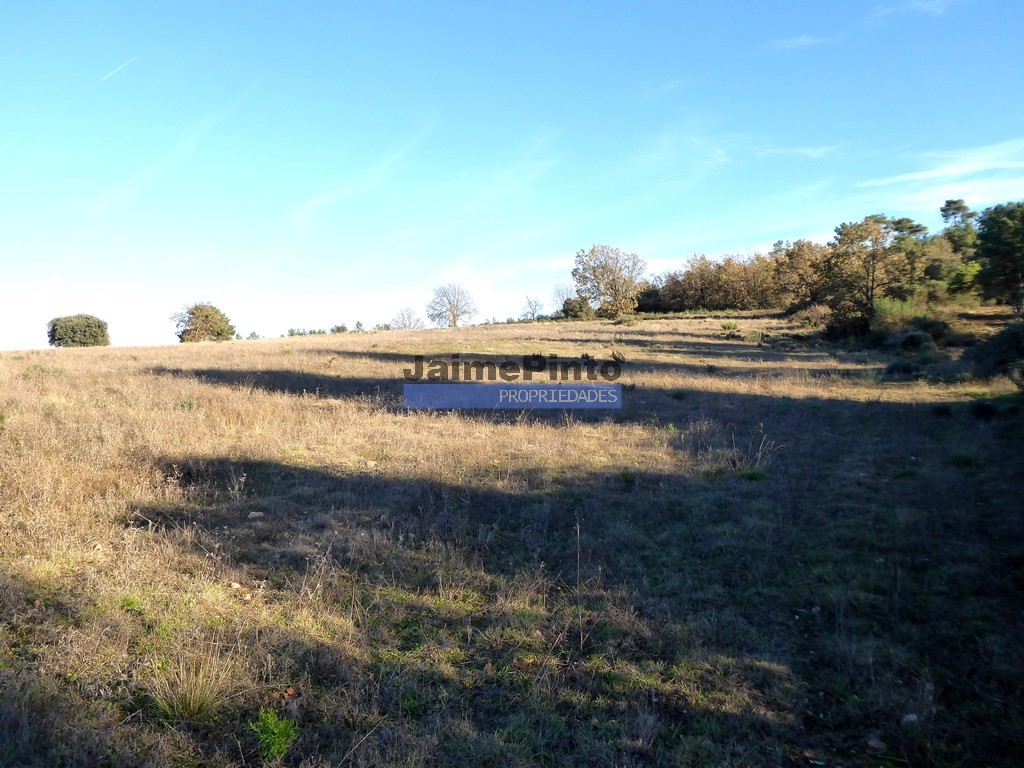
(847, 325)
(1002, 353)
(903, 368)
(892, 314)
(966, 277)
(916, 342)
(77, 331)
(933, 326)
(276, 734)
(578, 309)
(203, 322)
(814, 316)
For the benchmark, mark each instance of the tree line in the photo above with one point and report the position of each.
(876, 258)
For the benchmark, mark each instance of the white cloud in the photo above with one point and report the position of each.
(113, 72)
(926, 7)
(654, 92)
(185, 146)
(801, 41)
(811, 153)
(960, 164)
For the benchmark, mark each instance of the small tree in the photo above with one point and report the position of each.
(77, 331)
(960, 230)
(451, 305)
(532, 308)
(561, 292)
(867, 260)
(406, 320)
(203, 322)
(608, 278)
(1001, 250)
(578, 309)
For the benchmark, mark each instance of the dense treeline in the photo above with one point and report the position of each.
(872, 259)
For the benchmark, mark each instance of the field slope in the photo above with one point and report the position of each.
(774, 554)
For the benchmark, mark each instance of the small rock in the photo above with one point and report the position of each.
(910, 720)
(875, 744)
(235, 585)
(255, 515)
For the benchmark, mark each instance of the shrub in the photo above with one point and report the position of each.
(917, 342)
(1002, 353)
(275, 733)
(578, 309)
(77, 331)
(843, 325)
(814, 316)
(892, 314)
(900, 368)
(965, 278)
(933, 326)
(203, 322)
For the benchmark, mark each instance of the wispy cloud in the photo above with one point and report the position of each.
(113, 72)
(184, 147)
(960, 164)
(303, 214)
(980, 175)
(811, 153)
(926, 7)
(801, 41)
(670, 148)
(660, 90)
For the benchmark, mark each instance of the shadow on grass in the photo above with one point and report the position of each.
(868, 574)
(871, 571)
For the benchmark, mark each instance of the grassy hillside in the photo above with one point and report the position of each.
(775, 554)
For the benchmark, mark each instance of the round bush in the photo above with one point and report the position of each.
(917, 341)
(77, 331)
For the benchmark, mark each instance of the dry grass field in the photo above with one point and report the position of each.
(774, 554)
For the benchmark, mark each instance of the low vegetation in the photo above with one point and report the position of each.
(776, 553)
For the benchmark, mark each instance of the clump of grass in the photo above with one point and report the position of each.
(276, 734)
(195, 684)
(37, 370)
(731, 330)
(189, 404)
(133, 605)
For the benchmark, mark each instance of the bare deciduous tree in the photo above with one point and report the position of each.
(406, 320)
(561, 293)
(450, 305)
(532, 308)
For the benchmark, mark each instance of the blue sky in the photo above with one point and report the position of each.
(307, 164)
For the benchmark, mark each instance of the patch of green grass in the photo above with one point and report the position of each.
(275, 734)
(133, 605)
(37, 370)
